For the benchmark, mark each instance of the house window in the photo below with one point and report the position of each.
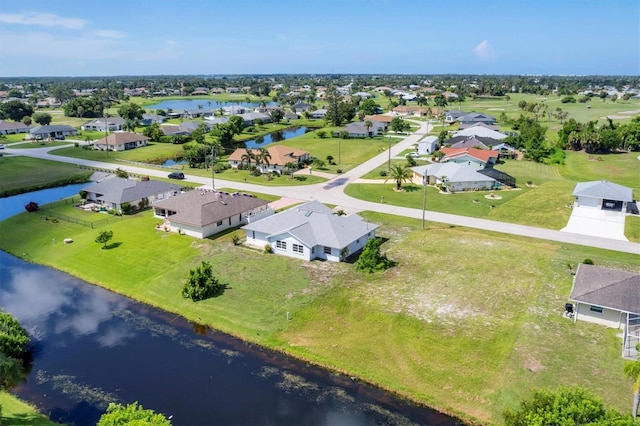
(327, 250)
(281, 245)
(297, 248)
(219, 223)
(596, 309)
(253, 234)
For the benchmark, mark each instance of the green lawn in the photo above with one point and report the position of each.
(38, 144)
(152, 153)
(17, 412)
(544, 204)
(471, 339)
(23, 174)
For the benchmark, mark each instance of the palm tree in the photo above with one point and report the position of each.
(368, 125)
(632, 370)
(291, 167)
(247, 157)
(421, 101)
(263, 157)
(399, 174)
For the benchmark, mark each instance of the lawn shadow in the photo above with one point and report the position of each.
(112, 245)
(300, 178)
(411, 188)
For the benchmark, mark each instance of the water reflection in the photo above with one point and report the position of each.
(96, 347)
(48, 306)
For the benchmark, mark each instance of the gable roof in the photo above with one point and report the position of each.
(52, 128)
(380, 118)
(119, 190)
(603, 189)
(473, 142)
(609, 288)
(204, 207)
(483, 155)
(314, 224)
(10, 125)
(121, 138)
(477, 117)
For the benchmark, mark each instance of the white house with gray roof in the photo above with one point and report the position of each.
(609, 297)
(311, 231)
(112, 193)
(53, 131)
(602, 194)
(201, 212)
(455, 176)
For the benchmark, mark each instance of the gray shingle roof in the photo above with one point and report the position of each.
(603, 189)
(455, 172)
(119, 190)
(202, 208)
(313, 224)
(52, 128)
(609, 288)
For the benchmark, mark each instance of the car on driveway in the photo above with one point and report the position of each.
(413, 154)
(176, 175)
(1, 146)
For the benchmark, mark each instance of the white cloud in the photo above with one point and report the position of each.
(109, 33)
(42, 19)
(484, 50)
(53, 46)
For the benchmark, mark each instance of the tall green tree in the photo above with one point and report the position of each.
(42, 118)
(104, 237)
(333, 99)
(236, 124)
(632, 370)
(131, 111)
(440, 100)
(16, 110)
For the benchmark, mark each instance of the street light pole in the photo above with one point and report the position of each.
(213, 168)
(424, 197)
(389, 161)
(106, 132)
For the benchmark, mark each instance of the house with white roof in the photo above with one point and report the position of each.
(112, 124)
(311, 231)
(480, 131)
(428, 145)
(455, 177)
(602, 194)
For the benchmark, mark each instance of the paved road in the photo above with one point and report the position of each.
(332, 192)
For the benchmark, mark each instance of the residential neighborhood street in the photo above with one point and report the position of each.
(332, 192)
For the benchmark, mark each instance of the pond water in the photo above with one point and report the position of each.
(179, 105)
(278, 136)
(93, 347)
(13, 205)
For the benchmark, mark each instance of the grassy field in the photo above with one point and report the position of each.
(471, 339)
(17, 412)
(544, 204)
(28, 174)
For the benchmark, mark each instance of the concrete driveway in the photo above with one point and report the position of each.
(596, 223)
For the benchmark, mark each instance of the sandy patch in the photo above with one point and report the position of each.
(284, 202)
(614, 117)
(630, 112)
(495, 109)
(493, 197)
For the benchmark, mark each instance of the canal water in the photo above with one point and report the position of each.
(92, 347)
(13, 205)
(179, 105)
(277, 136)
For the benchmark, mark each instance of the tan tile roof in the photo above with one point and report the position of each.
(280, 154)
(480, 154)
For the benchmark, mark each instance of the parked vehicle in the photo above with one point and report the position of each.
(176, 175)
(413, 154)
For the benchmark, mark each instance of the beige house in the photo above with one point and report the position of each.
(121, 141)
(201, 213)
(609, 297)
(280, 156)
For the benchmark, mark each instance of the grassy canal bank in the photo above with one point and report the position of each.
(469, 322)
(17, 412)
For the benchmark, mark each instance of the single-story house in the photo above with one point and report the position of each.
(609, 297)
(383, 121)
(311, 231)
(319, 113)
(148, 119)
(280, 156)
(480, 131)
(456, 177)
(452, 115)
(463, 126)
(408, 110)
(475, 117)
(290, 115)
(251, 117)
(113, 124)
(603, 195)
(13, 127)
(53, 131)
(428, 145)
(112, 193)
(359, 130)
(479, 142)
(363, 95)
(213, 120)
(121, 141)
(301, 107)
(201, 213)
(480, 158)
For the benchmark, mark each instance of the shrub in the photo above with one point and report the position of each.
(383, 173)
(32, 206)
(568, 100)
(201, 284)
(268, 249)
(76, 144)
(321, 134)
(587, 261)
(371, 260)
(235, 240)
(112, 212)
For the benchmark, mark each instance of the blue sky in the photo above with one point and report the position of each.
(142, 37)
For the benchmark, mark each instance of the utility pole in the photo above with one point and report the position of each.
(389, 162)
(213, 168)
(424, 197)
